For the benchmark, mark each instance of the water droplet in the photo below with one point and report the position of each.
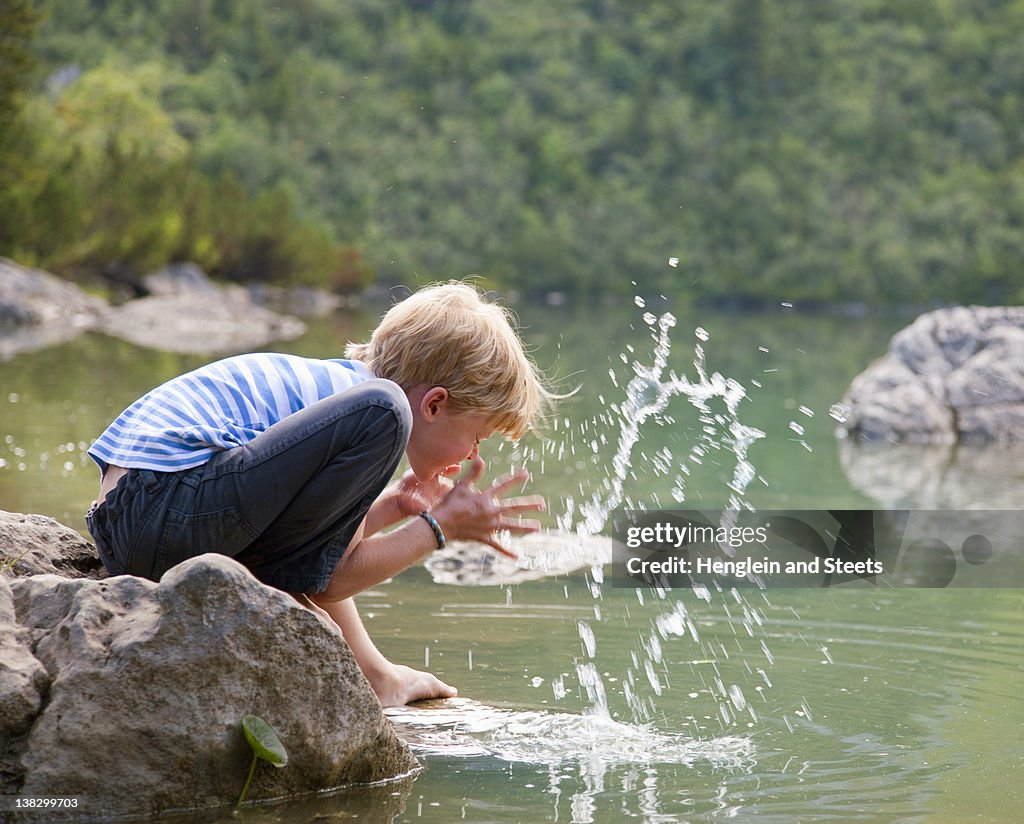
(796, 427)
(702, 592)
(587, 636)
(737, 697)
(639, 301)
(673, 262)
(701, 333)
(590, 680)
(839, 412)
(652, 677)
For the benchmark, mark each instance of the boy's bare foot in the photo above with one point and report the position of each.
(398, 685)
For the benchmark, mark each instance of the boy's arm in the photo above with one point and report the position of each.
(394, 684)
(370, 560)
(464, 513)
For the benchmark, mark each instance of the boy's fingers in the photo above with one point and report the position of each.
(509, 481)
(473, 472)
(521, 527)
(524, 503)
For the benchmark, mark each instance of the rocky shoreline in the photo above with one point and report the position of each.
(183, 311)
(129, 694)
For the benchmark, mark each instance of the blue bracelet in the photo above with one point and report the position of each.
(434, 525)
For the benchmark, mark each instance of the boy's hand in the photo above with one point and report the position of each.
(472, 514)
(412, 496)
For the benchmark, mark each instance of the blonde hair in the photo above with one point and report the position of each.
(448, 335)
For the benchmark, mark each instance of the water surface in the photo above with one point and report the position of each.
(583, 702)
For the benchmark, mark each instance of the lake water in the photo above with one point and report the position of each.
(584, 702)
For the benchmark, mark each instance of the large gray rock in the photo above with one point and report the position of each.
(33, 297)
(130, 694)
(38, 309)
(188, 313)
(953, 375)
(23, 682)
(185, 312)
(38, 545)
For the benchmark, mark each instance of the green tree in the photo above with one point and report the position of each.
(798, 149)
(18, 19)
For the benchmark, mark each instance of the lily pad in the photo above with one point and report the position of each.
(264, 741)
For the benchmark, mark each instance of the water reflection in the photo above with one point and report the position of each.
(381, 803)
(540, 555)
(919, 476)
(885, 705)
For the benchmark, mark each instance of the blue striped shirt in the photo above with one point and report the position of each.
(182, 423)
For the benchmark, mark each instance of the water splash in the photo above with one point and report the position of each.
(462, 727)
(647, 396)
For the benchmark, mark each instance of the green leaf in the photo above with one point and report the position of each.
(264, 741)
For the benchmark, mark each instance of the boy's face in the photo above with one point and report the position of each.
(440, 439)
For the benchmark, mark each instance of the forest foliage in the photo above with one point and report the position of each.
(812, 150)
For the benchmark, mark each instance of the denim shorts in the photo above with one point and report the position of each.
(286, 504)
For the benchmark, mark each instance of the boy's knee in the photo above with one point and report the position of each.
(389, 395)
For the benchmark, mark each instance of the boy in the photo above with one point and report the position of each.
(282, 462)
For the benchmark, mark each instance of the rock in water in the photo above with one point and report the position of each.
(197, 322)
(130, 695)
(953, 375)
(38, 309)
(33, 297)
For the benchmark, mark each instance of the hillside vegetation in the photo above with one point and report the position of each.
(813, 150)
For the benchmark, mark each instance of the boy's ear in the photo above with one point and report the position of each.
(433, 401)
